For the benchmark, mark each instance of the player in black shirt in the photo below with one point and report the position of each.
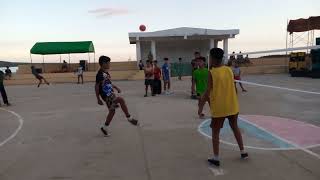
(105, 90)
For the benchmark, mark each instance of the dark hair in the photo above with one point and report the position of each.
(148, 61)
(166, 59)
(155, 61)
(217, 54)
(180, 58)
(104, 59)
(196, 52)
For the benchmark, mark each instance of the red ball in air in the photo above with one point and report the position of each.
(142, 28)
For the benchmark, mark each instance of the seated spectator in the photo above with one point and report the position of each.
(232, 57)
(247, 60)
(64, 66)
(240, 56)
(8, 73)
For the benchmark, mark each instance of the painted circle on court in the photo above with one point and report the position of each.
(274, 133)
(16, 131)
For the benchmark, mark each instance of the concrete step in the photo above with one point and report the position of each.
(139, 75)
(22, 79)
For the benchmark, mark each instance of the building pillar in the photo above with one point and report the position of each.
(138, 51)
(212, 43)
(225, 49)
(216, 43)
(153, 50)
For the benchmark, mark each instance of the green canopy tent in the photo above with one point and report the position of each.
(50, 48)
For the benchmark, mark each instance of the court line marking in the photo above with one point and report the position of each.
(296, 147)
(278, 87)
(217, 171)
(285, 140)
(20, 119)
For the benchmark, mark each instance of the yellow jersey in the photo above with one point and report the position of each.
(223, 96)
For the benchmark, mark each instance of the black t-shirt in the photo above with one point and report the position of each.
(105, 84)
(8, 71)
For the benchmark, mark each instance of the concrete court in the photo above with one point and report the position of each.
(60, 137)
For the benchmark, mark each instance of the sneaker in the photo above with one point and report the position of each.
(145, 95)
(244, 155)
(105, 132)
(133, 122)
(214, 162)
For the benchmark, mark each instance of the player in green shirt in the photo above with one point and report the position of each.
(201, 81)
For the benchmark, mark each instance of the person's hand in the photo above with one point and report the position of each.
(100, 102)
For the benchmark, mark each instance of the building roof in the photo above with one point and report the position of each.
(184, 33)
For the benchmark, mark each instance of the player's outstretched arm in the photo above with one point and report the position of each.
(116, 87)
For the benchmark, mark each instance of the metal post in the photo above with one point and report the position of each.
(287, 38)
(31, 58)
(308, 42)
(286, 57)
(225, 49)
(69, 64)
(94, 61)
(43, 64)
(89, 61)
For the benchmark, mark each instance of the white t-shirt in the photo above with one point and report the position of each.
(79, 71)
(236, 71)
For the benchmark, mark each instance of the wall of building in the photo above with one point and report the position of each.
(175, 49)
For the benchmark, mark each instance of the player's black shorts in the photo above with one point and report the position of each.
(148, 82)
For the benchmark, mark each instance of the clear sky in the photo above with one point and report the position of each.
(262, 23)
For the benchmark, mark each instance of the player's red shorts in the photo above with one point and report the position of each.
(237, 78)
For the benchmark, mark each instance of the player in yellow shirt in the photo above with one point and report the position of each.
(223, 102)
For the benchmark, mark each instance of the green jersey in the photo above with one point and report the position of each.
(201, 79)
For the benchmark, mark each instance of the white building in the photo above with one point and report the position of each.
(180, 42)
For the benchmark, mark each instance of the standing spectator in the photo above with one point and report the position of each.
(148, 74)
(232, 57)
(79, 72)
(180, 69)
(157, 78)
(3, 91)
(166, 76)
(194, 65)
(237, 76)
(8, 73)
(141, 65)
(247, 60)
(240, 56)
